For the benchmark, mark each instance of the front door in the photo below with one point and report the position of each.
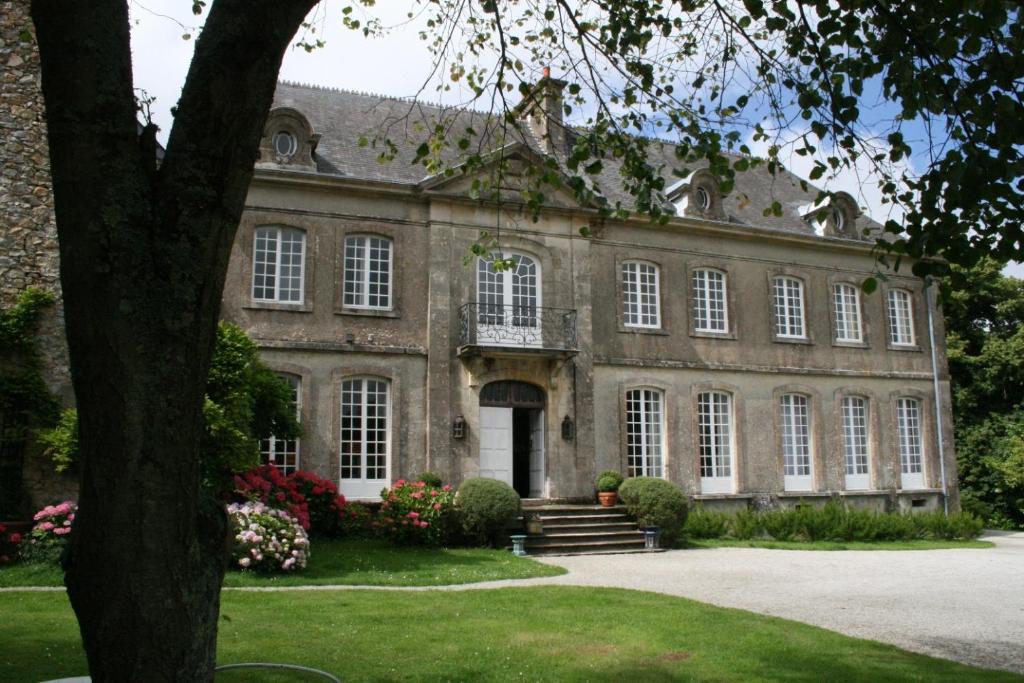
(496, 443)
(537, 453)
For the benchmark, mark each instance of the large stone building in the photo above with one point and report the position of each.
(731, 353)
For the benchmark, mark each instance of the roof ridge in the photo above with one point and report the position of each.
(408, 99)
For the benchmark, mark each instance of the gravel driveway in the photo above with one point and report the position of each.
(962, 604)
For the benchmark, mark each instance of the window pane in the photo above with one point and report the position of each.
(846, 302)
(364, 429)
(367, 280)
(855, 435)
(641, 306)
(278, 262)
(284, 453)
(788, 302)
(796, 436)
(714, 423)
(908, 414)
(901, 328)
(709, 311)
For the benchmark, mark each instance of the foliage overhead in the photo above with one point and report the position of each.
(888, 87)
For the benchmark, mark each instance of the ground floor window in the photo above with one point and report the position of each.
(364, 436)
(795, 422)
(908, 427)
(284, 453)
(715, 441)
(855, 443)
(644, 433)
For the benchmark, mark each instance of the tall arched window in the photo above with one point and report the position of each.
(645, 440)
(508, 299)
(715, 441)
(365, 436)
(909, 433)
(284, 453)
(795, 428)
(856, 456)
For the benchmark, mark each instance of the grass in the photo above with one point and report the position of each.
(353, 563)
(920, 544)
(534, 634)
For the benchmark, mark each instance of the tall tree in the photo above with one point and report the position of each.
(144, 249)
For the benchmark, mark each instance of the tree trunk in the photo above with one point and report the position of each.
(144, 252)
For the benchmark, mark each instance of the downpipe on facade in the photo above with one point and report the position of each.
(930, 306)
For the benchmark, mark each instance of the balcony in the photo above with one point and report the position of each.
(516, 331)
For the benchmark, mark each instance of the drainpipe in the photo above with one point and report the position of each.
(929, 304)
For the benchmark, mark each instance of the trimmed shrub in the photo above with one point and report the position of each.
(325, 505)
(656, 502)
(487, 507)
(782, 525)
(48, 537)
(609, 480)
(702, 523)
(266, 539)
(414, 513)
(965, 525)
(267, 485)
(431, 479)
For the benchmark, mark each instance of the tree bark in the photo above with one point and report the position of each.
(144, 252)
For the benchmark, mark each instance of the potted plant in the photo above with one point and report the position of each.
(608, 483)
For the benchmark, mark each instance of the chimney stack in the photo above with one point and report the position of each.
(542, 109)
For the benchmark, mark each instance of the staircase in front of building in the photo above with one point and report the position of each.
(582, 529)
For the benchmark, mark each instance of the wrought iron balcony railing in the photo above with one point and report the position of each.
(517, 326)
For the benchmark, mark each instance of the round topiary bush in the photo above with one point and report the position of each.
(656, 502)
(609, 480)
(486, 507)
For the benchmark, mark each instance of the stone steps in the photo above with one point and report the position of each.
(583, 529)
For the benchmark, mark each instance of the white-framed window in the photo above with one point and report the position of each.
(901, 318)
(856, 456)
(277, 265)
(846, 309)
(795, 423)
(645, 417)
(508, 302)
(284, 453)
(365, 437)
(788, 303)
(715, 441)
(367, 281)
(908, 428)
(640, 295)
(710, 310)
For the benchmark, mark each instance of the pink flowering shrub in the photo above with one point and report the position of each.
(267, 485)
(415, 513)
(266, 539)
(326, 506)
(9, 541)
(49, 535)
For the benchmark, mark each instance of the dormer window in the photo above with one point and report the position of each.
(285, 144)
(702, 199)
(838, 221)
(833, 215)
(697, 195)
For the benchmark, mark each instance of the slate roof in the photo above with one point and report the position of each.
(341, 117)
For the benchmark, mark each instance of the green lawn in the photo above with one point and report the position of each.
(834, 545)
(533, 634)
(354, 563)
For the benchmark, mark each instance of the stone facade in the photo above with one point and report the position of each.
(28, 235)
(430, 351)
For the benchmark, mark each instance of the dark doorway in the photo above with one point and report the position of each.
(521, 451)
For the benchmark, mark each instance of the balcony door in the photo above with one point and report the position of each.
(508, 301)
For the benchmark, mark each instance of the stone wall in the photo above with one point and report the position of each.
(28, 235)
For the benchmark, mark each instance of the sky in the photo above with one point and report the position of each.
(163, 38)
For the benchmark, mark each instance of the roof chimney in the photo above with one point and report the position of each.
(542, 109)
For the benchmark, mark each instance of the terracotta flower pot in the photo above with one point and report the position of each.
(608, 498)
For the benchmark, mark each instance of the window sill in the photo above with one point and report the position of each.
(625, 329)
(804, 494)
(306, 307)
(904, 347)
(792, 340)
(705, 334)
(850, 344)
(367, 312)
(846, 493)
(917, 492)
(723, 496)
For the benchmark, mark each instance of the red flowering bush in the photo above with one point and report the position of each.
(357, 521)
(326, 506)
(415, 513)
(9, 541)
(267, 485)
